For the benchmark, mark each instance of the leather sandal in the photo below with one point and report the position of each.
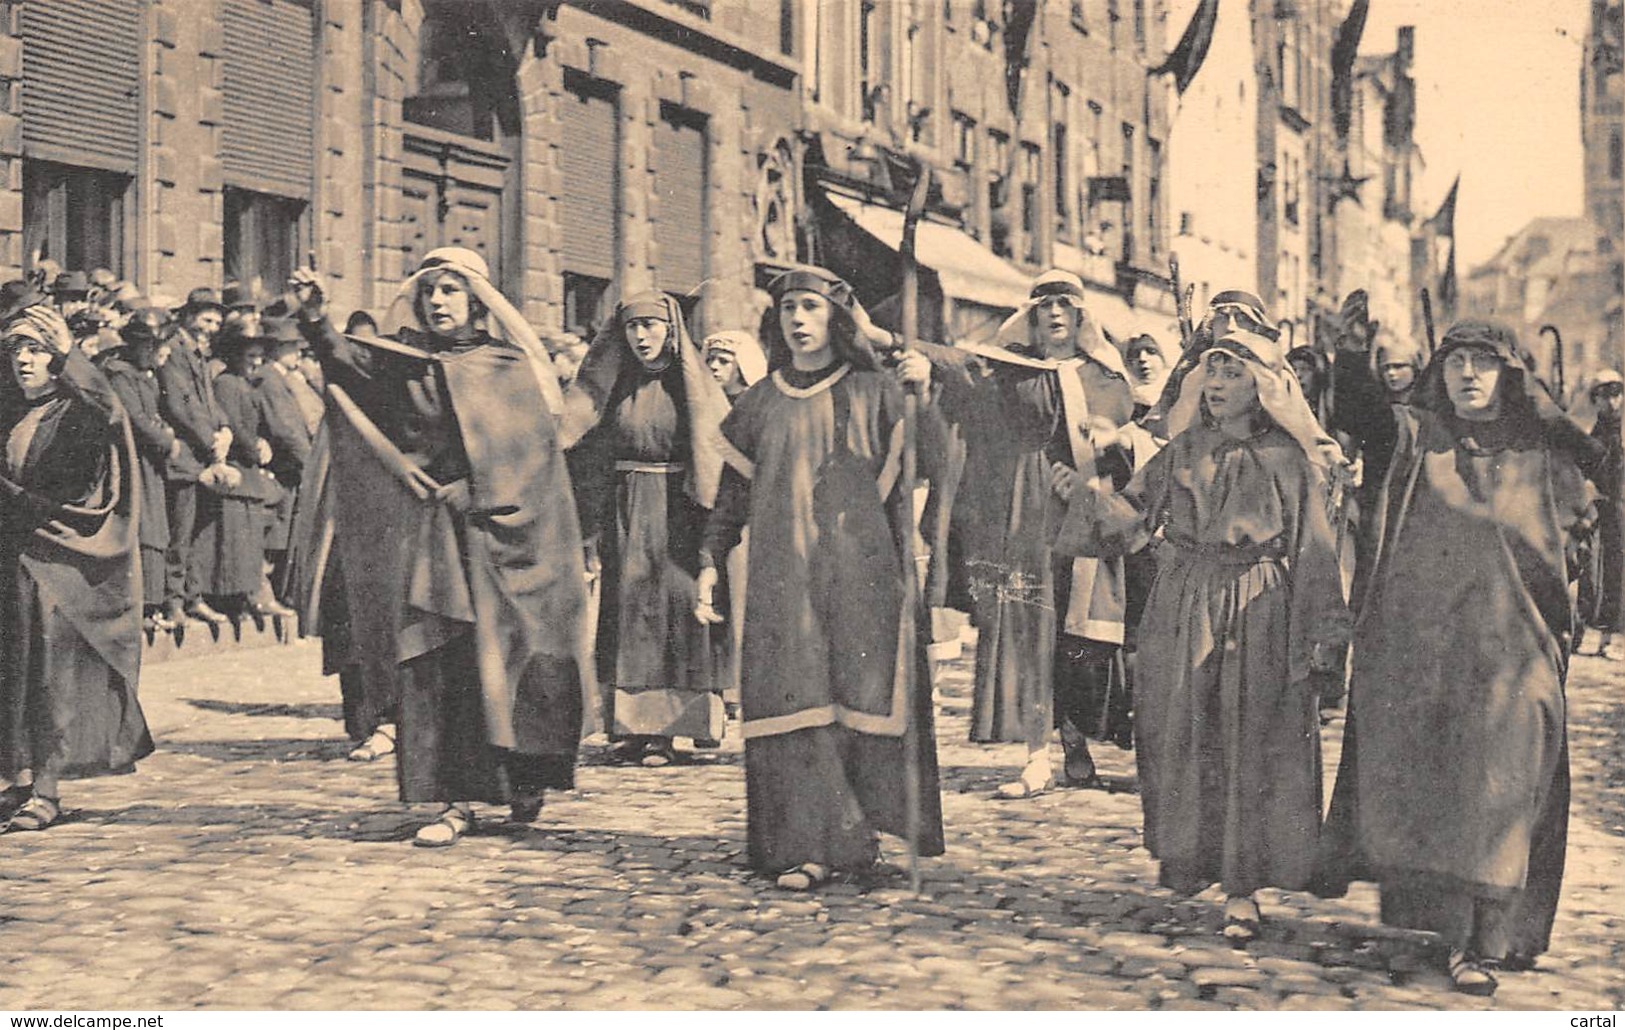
(1242, 920)
(381, 743)
(804, 877)
(36, 813)
(1469, 976)
(1028, 786)
(657, 755)
(446, 830)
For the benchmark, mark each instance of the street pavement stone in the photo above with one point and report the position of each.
(247, 864)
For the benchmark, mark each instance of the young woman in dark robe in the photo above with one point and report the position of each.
(645, 475)
(1453, 789)
(1247, 615)
(457, 535)
(823, 689)
(1602, 581)
(70, 591)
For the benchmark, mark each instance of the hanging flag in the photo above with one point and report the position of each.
(1443, 222)
(1447, 287)
(1344, 51)
(1019, 16)
(1185, 59)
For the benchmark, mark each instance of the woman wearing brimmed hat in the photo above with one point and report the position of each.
(1453, 788)
(456, 531)
(70, 613)
(1247, 614)
(645, 475)
(822, 685)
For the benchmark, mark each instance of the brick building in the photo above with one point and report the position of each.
(1043, 134)
(582, 149)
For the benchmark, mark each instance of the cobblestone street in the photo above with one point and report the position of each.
(248, 865)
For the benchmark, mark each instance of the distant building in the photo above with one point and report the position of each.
(1045, 137)
(1602, 133)
(1554, 271)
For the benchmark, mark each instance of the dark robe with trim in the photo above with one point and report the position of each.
(821, 673)
(472, 608)
(70, 591)
(630, 474)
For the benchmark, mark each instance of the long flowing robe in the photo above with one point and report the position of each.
(1021, 421)
(1226, 721)
(822, 680)
(650, 647)
(470, 613)
(1454, 776)
(70, 605)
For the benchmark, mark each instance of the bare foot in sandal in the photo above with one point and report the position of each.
(37, 813)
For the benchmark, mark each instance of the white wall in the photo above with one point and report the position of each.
(1212, 163)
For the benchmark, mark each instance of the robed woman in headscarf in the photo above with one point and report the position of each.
(1247, 615)
(70, 583)
(456, 533)
(1453, 789)
(645, 476)
(823, 684)
(1051, 632)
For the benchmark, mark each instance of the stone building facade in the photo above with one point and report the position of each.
(585, 150)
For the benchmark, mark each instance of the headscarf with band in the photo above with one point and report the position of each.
(843, 330)
(1017, 331)
(747, 353)
(1277, 392)
(610, 357)
(504, 322)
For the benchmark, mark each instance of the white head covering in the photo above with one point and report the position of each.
(506, 323)
(749, 357)
(1148, 393)
(1278, 392)
(1016, 332)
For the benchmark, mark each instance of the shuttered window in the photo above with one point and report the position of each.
(590, 161)
(679, 228)
(81, 74)
(268, 81)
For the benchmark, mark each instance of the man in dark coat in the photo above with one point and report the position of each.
(187, 402)
(249, 498)
(284, 427)
(133, 371)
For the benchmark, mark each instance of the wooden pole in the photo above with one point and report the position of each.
(1427, 320)
(909, 617)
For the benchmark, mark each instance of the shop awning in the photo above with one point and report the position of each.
(967, 269)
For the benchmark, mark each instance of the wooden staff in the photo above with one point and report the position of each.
(1182, 304)
(1557, 359)
(1427, 320)
(908, 629)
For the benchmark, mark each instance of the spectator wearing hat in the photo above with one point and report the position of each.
(18, 295)
(284, 426)
(133, 371)
(187, 402)
(242, 309)
(71, 292)
(247, 499)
